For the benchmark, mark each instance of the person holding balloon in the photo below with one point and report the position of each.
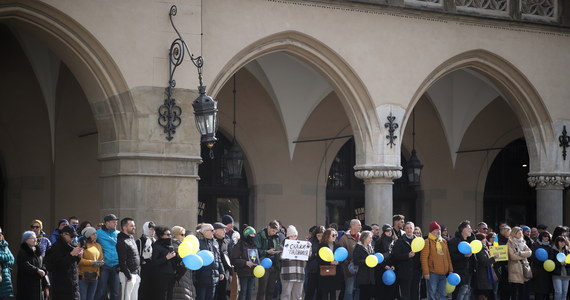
(561, 272)
(407, 263)
(184, 284)
(208, 276)
(485, 275)
(330, 255)
(542, 279)
(384, 247)
(462, 261)
(162, 265)
(436, 262)
(365, 275)
(518, 254)
(244, 258)
(348, 241)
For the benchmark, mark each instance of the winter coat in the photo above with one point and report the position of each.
(264, 242)
(313, 263)
(349, 242)
(108, 240)
(162, 267)
(542, 281)
(184, 285)
(6, 262)
(365, 274)
(432, 262)
(515, 265)
(43, 242)
(239, 257)
(462, 265)
(29, 281)
(91, 253)
(329, 283)
(225, 245)
(484, 271)
(63, 271)
(210, 275)
(406, 266)
(557, 265)
(54, 235)
(128, 255)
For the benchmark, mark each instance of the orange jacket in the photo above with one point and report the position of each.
(433, 262)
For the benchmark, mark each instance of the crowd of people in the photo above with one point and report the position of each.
(109, 261)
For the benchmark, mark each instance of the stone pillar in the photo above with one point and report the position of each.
(549, 198)
(378, 183)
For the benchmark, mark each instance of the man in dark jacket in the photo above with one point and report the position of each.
(208, 277)
(463, 264)
(61, 261)
(129, 260)
(268, 246)
(225, 245)
(407, 263)
(502, 267)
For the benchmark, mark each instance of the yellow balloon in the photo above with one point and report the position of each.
(548, 265)
(418, 244)
(258, 271)
(568, 259)
(371, 261)
(449, 288)
(326, 254)
(193, 240)
(476, 246)
(185, 249)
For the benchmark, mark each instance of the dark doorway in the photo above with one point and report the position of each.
(508, 196)
(2, 189)
(219, 195)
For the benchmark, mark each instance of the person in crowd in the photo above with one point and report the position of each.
(328, 285)
(268, 246)
(541, 228)
(55, 234)
(375, 228)
(74, 223)
(418, 231)
(444, 233)
(365, 275)
(534, 235)
(501, 267)
(82, 226)
(208, 277)
(6, 263)
(484, 274)
(558, 231)
(91, 260)
(436, 262)
(482, 227)
(526, 235)
(183, 284)
(41, 239)
(312, 268)
(463, 264)
(398, 226)
(292, 272)
(224, 244)
(561, 273)
(234, 236)
(144, 247)
(244, 262)
(108, 282)
(129, 260)
(542, 279)
(407, 263)
(384, 245)
(61, 261)
(518, 254)
(490, 237)
(163, 265)
(349, 240)
(31, 272)
(228, 222)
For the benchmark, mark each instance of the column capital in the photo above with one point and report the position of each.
(549, 181)
(377, 172)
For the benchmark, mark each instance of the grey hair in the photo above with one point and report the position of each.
(410, 223)
(353, 221)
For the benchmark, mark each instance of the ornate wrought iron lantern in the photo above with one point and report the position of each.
(234, 157)
(414, 166)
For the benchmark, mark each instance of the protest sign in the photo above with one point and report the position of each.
(296, 250)
(503, 252)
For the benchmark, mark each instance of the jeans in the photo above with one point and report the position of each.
(291, 290)
(246, 285)
(130, 289)
(205, 292)
(108, 279)
(349, 288)
(436, 285)
(560, 287)
(87, 289)
(462, 292)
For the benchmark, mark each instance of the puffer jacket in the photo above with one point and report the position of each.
(183, 287)
(210, 275)
(433, 262)
(515, 257)
(6, 261)
(128, 254)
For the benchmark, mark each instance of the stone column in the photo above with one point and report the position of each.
(549, 198)
(378, 183)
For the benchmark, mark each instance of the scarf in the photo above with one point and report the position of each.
(520, 244)
(438, 241)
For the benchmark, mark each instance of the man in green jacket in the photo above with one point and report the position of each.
(268, 246)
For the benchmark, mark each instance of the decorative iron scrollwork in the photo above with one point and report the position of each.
(564, 141)
(391, 126)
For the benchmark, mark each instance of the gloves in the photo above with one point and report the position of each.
(98, 263)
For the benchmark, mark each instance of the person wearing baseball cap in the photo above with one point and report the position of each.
(109, 272)
(63, 272)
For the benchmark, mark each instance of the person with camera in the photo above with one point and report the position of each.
(129, 260)
(90, 263)
(61, 261)
(163, 265)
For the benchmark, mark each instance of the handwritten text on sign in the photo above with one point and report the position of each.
(296, 250)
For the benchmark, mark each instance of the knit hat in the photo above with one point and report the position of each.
(386, 227)
(88, 231)
(27, 235)
(525, 228)
(219, 225)
(292, 231)
(433, 226)
(39, 222)
(227, 219)
(248, 230)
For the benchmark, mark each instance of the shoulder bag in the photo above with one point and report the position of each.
(327, 270)
(527, 272)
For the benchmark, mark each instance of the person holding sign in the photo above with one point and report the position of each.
(436, 262)
(518, 254)
(328, 285)
(561, 272)
(292, 272)
(244, 257)
(485, 275)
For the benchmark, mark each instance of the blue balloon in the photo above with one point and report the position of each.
(193, 262)
(541, 254)
(207, 257)
(340, 254)
(380, 257)
(464, 248)
(560, 257)
(453, 279)
(389, 277)
(266, 263)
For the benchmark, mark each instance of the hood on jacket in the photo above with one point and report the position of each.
(146, 227)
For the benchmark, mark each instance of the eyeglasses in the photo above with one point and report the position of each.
(334, 235)
(35, 227)
(168, 234)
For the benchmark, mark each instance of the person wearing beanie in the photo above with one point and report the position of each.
(90, 264)
(526, 235)
(463, 264)
(292, 272)
(43, 242)
(436, 262)
(384, 245)
(30, 269)
(244, 257)
(56, 232)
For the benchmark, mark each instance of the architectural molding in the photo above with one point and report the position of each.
(554, 182)
(368, 173)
